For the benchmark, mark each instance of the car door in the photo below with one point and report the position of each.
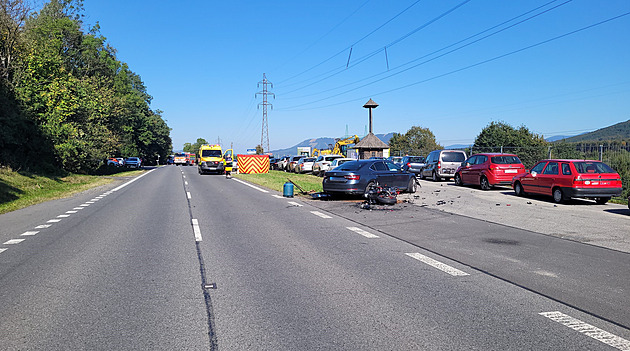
(382, 174)
(477, 169)
(466, 169)
(530, 180)
(547, 178)
(400, 179)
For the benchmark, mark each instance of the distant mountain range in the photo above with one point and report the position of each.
(619, 131)
(321, 144)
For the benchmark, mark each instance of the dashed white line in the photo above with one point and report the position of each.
(251, 186)
(196, 230)
(295, 204)
(43, 226)
(84, 205)
(131, 181)
(437, 264)
(3, 250)
(63, 216)
(72, 211)
(89, 202)
(94, 199)
(53, 220)
(13, 241)
(29, 233)
(188, 194)
(588, 330)
(278, 196)
(322, 215)
(362, 232)
(78, 208)
(186, 183)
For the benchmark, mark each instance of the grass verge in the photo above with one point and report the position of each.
(275, 180)
(20, 189)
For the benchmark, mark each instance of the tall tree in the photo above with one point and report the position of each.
(417, 141)
(529, 146)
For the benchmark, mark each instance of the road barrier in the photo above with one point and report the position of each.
(250, 164)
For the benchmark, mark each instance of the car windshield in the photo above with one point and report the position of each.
(592, 167)
(179, 154)
(350, 166)
(210, 153)
(453, 157)
(505, 160)
(417, 159)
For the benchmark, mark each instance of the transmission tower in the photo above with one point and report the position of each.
(264, 138)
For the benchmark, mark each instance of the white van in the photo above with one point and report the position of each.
(442, 164)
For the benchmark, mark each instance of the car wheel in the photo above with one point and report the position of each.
(412, 186)
(558, 196)
(435, 177)
(518, 189)
(602, 200)
(483, 182)
(458, 180)
(369, 185)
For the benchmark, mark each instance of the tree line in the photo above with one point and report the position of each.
(66, 101)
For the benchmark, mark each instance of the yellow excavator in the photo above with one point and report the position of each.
(340, 148)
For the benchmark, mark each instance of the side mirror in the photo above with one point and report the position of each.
(534, 174)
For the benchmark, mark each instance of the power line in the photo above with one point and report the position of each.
(264, 137)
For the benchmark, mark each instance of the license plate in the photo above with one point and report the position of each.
(510, 171)
(449, 170)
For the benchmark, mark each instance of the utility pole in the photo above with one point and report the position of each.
(264, 138)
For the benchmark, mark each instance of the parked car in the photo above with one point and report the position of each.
(566, 179)
(338, 162)
(397, 160)
(114, 162)
(273, 162)
(442, 164)
(133, 162)
(291, 164)
(304, 165)
(355, 177)
(413, 164)
(322, 163)
(282, 162)
(489, 169)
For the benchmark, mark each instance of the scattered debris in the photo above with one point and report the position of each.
(529, 202)
(498, 204)
(441, 202)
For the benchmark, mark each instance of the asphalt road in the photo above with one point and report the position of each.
(137, 267)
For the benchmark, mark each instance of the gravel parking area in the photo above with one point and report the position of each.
(580, 220)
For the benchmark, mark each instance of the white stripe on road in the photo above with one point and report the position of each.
(437, 264)
(63, 216)
(588, 330)
(84, 205)
(13, 241)
(362, 232)
(317, 213)
(188, 194)
(196, 229)
(53, 221)
(89, 202)
(278, 196)
(131, 181)
(29, 233)
(95, 199)
(78, 208)
(251, 186)
(295, 204)
(3, 250)
(186, 183)
(43, 226)
(71, 211)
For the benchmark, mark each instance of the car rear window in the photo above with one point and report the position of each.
(417, 159)
(592, 167)
(505, 160)
(350, 166)
(453, 157)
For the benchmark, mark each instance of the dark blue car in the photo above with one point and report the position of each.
(354, 177)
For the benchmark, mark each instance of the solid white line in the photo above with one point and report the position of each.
(131, 181)
(3, 250)
(29, 233)
(588, 330)
(278, 196)
(437, 264)
(13, 241)
(43, 226)
(251, 186)
(362, 232)
(295, 204)
(196, 229)
(53, 220)
(72, 211)
(63, 216)
(317, 213)
(188, 194)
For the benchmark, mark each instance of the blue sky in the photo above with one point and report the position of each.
(201, 61)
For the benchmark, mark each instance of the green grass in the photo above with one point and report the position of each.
(21, 189)
(275, 180)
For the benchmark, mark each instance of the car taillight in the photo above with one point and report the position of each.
(352, 177)
(439, 164)
(408, 163)
(578, 181)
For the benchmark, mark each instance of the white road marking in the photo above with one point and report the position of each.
(186, 183)
(13, 241)
(295, 204)
(184, 176)
(588, 330)
(63, 216)
(53, 220)
(94, 199)
(72, 211)
(131, 181)
(43, 226)
(317, 213)
(437, 264)
(30, 233)
(89, 202)
(84, 205)
(362, 232)
(196, 229)
(78, 208)
(3, 250)
(251, 186)
(278, 196)
(188, 194)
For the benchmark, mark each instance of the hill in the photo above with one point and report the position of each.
(619, 131)
(320, 143)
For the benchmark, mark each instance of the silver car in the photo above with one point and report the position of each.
(442, 164)
(322, 163)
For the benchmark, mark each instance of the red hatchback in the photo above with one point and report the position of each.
(488, 170)
(565, 179)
